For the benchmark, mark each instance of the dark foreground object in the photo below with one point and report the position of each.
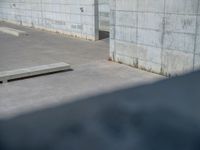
(161, 116)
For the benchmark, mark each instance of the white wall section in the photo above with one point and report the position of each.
(160, 36)
(72, 17)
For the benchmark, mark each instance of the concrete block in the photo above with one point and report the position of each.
(126, 49)
(126, 19)
(32, 71)
(112, 18)
(149, 66)
(176, 62)
(179, 41)
(145, 20)
(182, 6)
(197, 62)
(197, 46)
(112, 4)
(180, 23)
(126, 34)
(88, 29)
(149, 53)
(126, 60)
(151, 5)
(197, 50)
(150, 37)
(112, 45)
(128, 5)
(12, 31)
(104, 15)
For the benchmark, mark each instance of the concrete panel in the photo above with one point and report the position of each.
(128, 5)
(150, 37)
(32, 71)
(126, 19)
(145, 21)
(65, 16)
(176, 62)
(104, 15)
(182, 6)
(197, 62)
(151, 5)
(149, 66)
(149, 53)
(197, 51)
(126, 49)
(178, 41)
(180, 23)
(125, 34)
(126, 60)
(167, 34)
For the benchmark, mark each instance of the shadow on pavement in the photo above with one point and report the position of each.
(160, 116)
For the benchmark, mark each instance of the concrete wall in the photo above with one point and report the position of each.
(161, 36)
(72, 17)
(104, 15)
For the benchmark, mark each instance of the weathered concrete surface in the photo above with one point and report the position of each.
(92, 74)
(161, 36)
(71, 17)
(12, 31)
(104, 15)
(40, 48)
(5, 76)
(160, 116)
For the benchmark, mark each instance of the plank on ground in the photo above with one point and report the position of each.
(5, 76)
(12, 31)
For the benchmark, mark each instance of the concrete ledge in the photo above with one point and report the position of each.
(12, 31)
(33, 71)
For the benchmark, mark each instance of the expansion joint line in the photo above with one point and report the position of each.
(196, 34)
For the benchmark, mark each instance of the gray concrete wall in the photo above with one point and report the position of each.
(104, 15)
(72, 17)
(161, 36)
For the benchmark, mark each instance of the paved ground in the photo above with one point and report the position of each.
(92, 74)
(160, 116)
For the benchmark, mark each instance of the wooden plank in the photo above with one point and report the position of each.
(5, 76)
(12, 31)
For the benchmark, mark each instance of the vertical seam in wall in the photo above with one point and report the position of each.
(81, 18)
(32, 18)
(41, 7)
(114, 31)
(96, 19)
(196, 34)
(137, 22)
(163, 36)
(137, 28)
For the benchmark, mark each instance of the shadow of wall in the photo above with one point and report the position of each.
(160, 116)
